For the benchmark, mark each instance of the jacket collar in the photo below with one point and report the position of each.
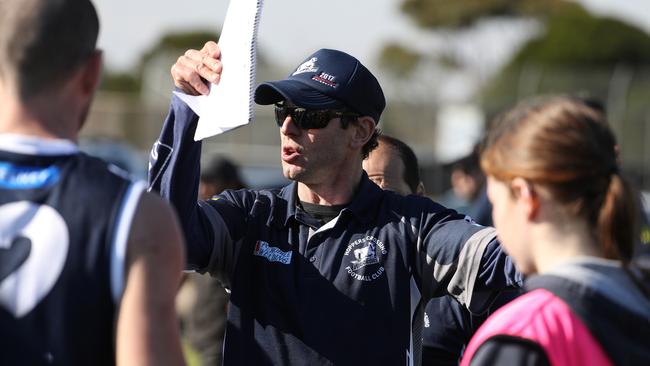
(362, 207)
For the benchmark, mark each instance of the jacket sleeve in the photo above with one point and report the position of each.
(174, 172)
(447, 329)
(461, 258)
(450, 326)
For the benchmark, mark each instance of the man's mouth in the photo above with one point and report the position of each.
(290, 154)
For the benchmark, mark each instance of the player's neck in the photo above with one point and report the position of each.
(40, 117)
(558, 242)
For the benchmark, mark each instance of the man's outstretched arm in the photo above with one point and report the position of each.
(174, 167)
(147, 327)
(210, 232)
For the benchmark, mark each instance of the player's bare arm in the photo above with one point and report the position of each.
(147, 331)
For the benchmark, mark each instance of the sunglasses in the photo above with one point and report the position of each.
(306, 119)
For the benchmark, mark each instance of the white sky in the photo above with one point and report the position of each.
(290, 29)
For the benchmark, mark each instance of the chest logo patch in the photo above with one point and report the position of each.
(363, 258)
(272, 254)
(34, 241)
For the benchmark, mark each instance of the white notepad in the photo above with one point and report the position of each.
(230, 103)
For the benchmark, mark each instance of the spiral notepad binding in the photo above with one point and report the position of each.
(256, 24)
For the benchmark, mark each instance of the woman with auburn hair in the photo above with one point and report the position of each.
(566, 216)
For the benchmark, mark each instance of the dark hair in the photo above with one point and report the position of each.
(370, 144)
(566, 145)
(410, 161)
(42, 42)
(223, 173)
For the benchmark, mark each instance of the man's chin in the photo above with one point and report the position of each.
(292, 172)
(291, 175)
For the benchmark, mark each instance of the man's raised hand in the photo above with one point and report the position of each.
(193, 70)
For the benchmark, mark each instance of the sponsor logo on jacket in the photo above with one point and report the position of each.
(272, 254)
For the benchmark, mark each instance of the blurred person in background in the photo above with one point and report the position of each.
(394, 166)
(219, 174)
(567, 217)
(467, 193)
(448, 326)
(204, 320)
(89, 262)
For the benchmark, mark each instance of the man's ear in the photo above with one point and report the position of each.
(364, 128)
(420, 189)
(91, 73)
(526, 195)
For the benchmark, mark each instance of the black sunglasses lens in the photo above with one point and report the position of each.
(280, 115)
(298, 116)
(315, 119)
(303, 118)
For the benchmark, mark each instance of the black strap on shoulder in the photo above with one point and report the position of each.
(510, 350)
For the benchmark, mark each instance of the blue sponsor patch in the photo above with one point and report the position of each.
(27, 177)
(272, 254)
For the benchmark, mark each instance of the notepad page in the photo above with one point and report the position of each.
(230, 103)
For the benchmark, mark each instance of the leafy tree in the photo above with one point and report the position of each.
(179, 42)
(120, 82)
(455, 14)
(436, 14)
(398, 59)
(170, 43)
(573, 37)
(576, 38)
(577, 53)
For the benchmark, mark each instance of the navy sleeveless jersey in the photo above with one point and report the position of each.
(64, 225)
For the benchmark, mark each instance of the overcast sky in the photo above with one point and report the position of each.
(290, 29)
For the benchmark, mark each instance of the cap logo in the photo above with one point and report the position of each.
(327, 79)
(308, 66)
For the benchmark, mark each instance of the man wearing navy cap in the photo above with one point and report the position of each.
(330, 269)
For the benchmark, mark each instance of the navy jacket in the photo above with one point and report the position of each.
(349, 292)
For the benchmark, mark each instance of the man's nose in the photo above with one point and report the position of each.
(289, 127)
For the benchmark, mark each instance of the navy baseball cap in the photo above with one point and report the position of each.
(328, 79)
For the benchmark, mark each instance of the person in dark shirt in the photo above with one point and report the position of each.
(89, 262)
(330, 269)
(394, 166)
(448, 326)
(467, 193)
